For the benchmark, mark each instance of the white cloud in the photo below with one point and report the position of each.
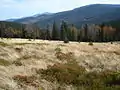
(20, 8)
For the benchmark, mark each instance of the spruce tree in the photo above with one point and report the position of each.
(86, 33)
(55, 33)
(102, 33)
(24, 32)
(48, 33)
(64, 31)
(79, 36)
(73, 33)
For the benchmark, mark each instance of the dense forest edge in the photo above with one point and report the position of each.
(105, 32)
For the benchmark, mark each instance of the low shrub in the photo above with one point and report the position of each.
(18, 49)
(4, 62)
(90, 43)
(29, 40)
(21, 43)
(3, 44)
(65, 56)
(73, 74)
(63, 73)
(17, 63)
(66, 40)
(25, 57)
(58, 49)
(26, 80)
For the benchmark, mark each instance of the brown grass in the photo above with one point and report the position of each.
(17, 63)
(26, 80)
(62, 73)
(63, 68)
(65, 56)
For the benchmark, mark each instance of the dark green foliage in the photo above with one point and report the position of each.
(111, 42)
(66, 40)
(48, 37)
(67, 32)
(73, 74)
(58, 49)
(115, 24)
(86, 32)
(63, 73)
(64, 30)
(55, 33)
(29, 40)
(24, 33)
(90, 43)
(4, 62)
(3, 44)
(102, 32)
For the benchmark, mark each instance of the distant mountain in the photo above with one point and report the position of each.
(13, 25)
(45, 13)
(33, 19)
(96, 13)
(10, 20)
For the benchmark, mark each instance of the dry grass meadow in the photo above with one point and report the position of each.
(44, 65)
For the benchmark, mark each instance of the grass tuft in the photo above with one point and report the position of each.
(65, 56)
(4, 62)
(3, 44)
(17, 63)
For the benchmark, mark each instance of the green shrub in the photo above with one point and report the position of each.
(66, 40)
(63, 73)
(29, 40)
(21, 43)
(58, 49)
(3, 44)
(4, 62)
(90, 43)
(73, 74)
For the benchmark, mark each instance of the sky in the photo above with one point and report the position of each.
(23, 8)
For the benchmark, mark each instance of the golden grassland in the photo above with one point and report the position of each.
(54, 65)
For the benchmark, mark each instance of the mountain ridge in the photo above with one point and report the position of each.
(94, 13)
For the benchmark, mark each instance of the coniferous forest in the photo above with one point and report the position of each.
(103, 32)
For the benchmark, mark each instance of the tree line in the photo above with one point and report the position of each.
(66, 32)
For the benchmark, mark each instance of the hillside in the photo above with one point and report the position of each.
(96, 13)
(33, 19)
(114, 23)
(6, 24)
(48, 65)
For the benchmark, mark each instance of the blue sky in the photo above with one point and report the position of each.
(23, 8)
